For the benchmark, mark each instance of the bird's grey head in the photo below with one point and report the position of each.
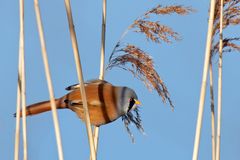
(129, 100)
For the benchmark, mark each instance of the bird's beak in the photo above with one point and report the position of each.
(137, 102)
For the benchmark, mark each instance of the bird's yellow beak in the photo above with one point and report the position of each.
(137, 102)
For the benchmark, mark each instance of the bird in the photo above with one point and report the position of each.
(106, 102)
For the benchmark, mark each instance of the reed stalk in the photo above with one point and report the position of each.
(22, 79)
(103, 40)
(17, 131)
(49, 81)
(19, 88)
(102, 66)
(23, 103)
(95, 139)
(219, 82)
(80, 78)
(212, 110)
(204, 81)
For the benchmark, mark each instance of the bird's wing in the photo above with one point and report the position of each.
(95, 81)
(72, 87)
(92, 82)
(79, 103)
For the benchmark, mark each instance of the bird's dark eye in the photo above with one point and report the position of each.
(131, 103)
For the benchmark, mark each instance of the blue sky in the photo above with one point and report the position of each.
(170, 135)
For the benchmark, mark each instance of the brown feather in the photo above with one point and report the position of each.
(102, 103)
(41, 107)
(101, 99)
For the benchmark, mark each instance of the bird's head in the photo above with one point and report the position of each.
(129, 99)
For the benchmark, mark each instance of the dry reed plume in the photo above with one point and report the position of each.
(131, 58)
(154, 30)
(231, 17)
(141, 67)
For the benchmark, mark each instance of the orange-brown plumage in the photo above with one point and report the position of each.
(102, 103)
(105, 102)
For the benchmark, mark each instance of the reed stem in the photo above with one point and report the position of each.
(17, 131)
(22, 79)
(19, 87)
(219, 83)
(102, 67)
(80, 78)
(49, 81)
(212, 111)
(204, 81)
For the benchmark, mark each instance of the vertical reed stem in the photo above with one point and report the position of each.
(212, 110)
(219, 83)
(204, 81)
(23, 101)
(103, 40)
(80, 78)
(17, 131)
(21, 50)
(22, 79)
(49, 81)
(102, 66)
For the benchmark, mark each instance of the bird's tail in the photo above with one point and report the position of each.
(42, 107)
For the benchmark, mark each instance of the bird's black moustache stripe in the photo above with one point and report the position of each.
(131, 104)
